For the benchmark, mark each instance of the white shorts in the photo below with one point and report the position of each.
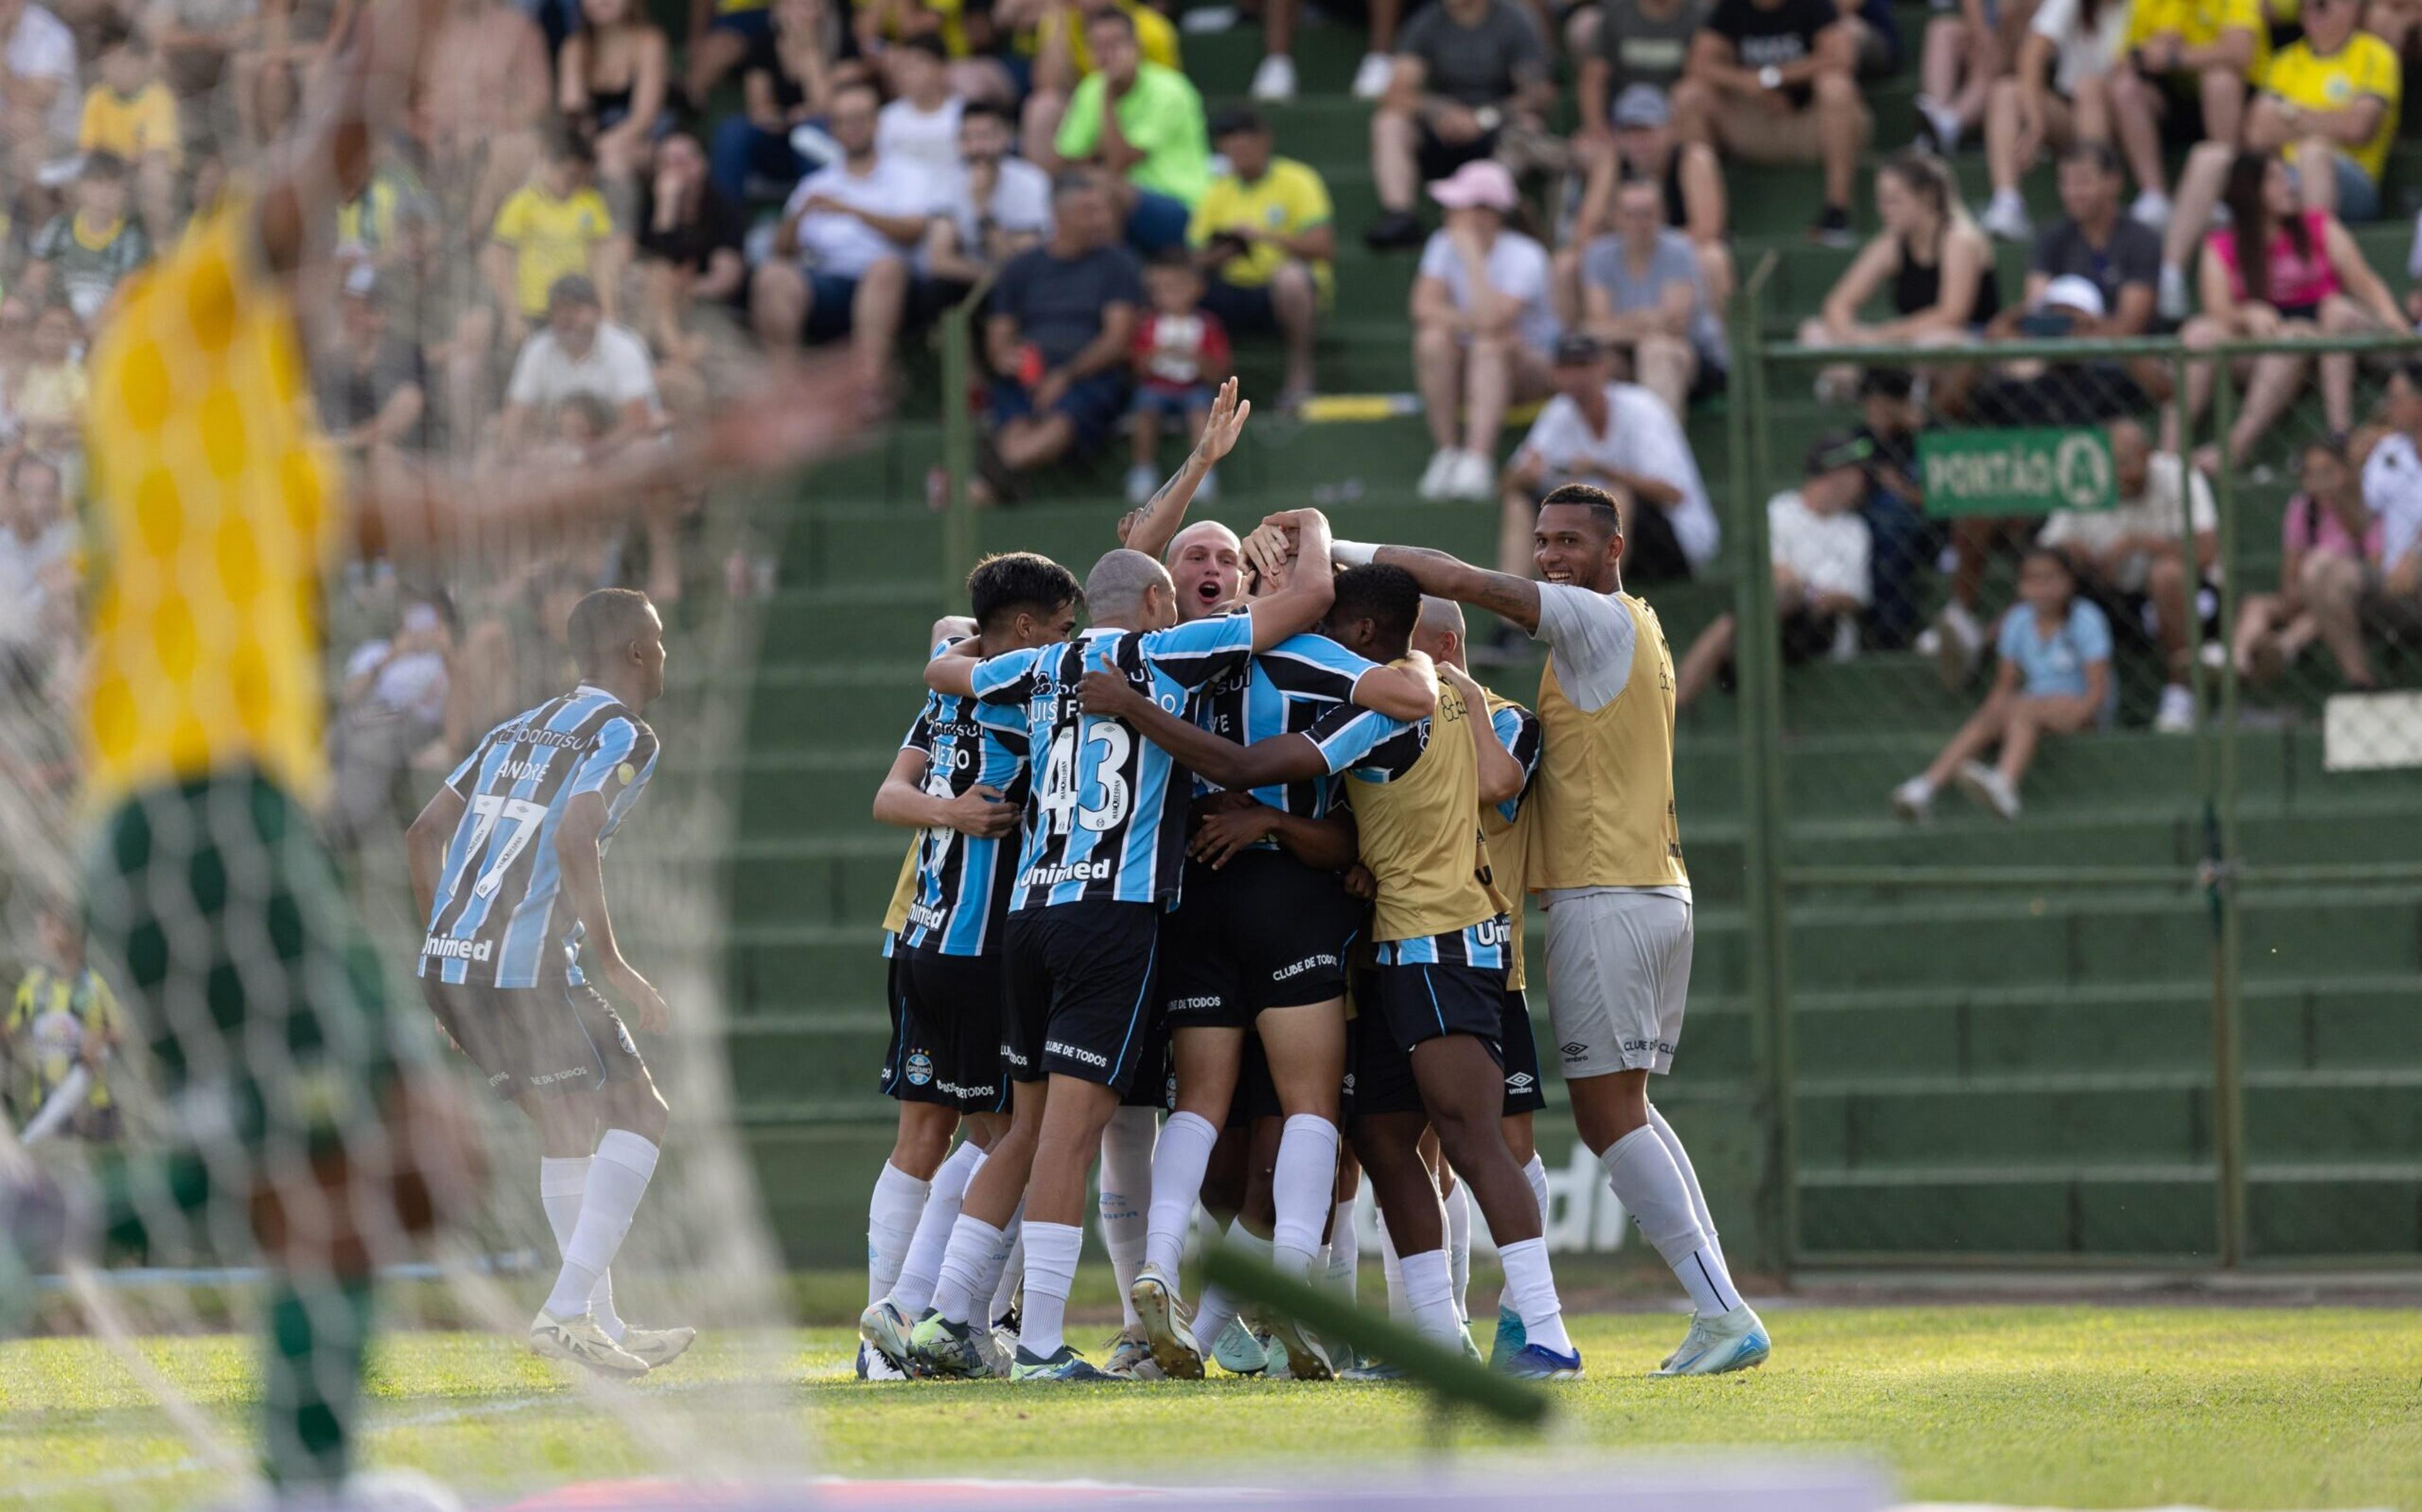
(1618, 973)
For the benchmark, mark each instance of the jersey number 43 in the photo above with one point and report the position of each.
(1104, 754)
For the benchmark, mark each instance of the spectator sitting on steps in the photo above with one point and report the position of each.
(2054, 679)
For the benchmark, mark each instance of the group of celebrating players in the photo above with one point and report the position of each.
(1251, 851)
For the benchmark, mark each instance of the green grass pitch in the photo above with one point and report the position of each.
(2048, 1406)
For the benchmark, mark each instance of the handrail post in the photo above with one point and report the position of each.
(1757, 656)
(2220, 822)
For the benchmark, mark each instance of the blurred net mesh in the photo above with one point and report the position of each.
(2003, 972)
(181, 1084)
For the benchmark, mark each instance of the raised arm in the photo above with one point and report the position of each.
(1509, 598)
(1406, 691)
(1305, 600)
(1280, 759)
(953, 672)
(1151, 528)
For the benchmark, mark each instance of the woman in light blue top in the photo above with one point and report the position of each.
(2054, 679)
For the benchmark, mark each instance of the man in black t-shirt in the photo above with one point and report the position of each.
(1469, 74)
(1775, 80)
(1057, 334)
(2096, 244)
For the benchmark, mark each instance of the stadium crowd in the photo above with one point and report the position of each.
(587, 217)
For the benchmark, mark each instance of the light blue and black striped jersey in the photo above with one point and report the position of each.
(1483, 944)
(1517, 731)
(1106, 810)
(1284, 691)
(496, 922)
(963, 882)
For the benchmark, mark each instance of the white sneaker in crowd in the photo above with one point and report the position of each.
(1471, 478)
(1371, 76)
(2170, 301)
(1958, 641)
(1434, 477)
(1913, 799)
(2005, 219)
(2177, 715)
(1274, 81)
(1987, 785)
(2152, 207)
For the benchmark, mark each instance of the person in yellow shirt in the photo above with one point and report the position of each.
(1263, 233)
(555, 224)
(216, 510)
(2329, 105)
(58, 1037)
(1057, 56)
(1605, 864)
(132, 113)
(2182, 78)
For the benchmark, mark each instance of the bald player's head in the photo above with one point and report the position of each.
(1438, 634)
(1128, 590)
(1206, 564)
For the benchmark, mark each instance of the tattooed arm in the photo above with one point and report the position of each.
(1509, 598)
(1150, 529)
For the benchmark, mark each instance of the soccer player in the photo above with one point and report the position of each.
(961, 777)
(1607, 864)
(1104, 841)
(1506, 829)
(1430, 1056)
(508, 861)
(1259, 943)
(217, 514)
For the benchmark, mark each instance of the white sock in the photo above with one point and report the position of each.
(1430, 1294)
(1531, 1291)
(1051, 1254)
(1458, 1247)
(1004, 1278)
(1650, 1188)
(1218, 1308)
(1127, 1157)
(1177, 1166)
(912, 1291)
(618, 1178)
(1714, 1247)
(1345, 1250)
(966, 1269)
(1536, 1174)
(1392, 1269)
(1301, 1188)
(891, 1216)
(561, 1184)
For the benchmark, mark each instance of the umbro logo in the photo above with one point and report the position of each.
(1520, 1080)
(1573, 1052)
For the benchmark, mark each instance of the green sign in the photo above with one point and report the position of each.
(2030, 471)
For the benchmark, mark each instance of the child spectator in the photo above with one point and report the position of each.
(1821, 554)
(82, 255)
(2054, 679)
(1180, 355)
(132, 113)
(554, 225)
(2327, 524)
(50, 392)
(60, 1031)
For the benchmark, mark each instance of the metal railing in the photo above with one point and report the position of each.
(2203, 783)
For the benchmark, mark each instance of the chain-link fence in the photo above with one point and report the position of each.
(2079, 688)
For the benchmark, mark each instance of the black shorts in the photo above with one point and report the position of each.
(1080, 992)
(1415, 1003)
(1154, 1085)
(544, 1039)
(945, 1032)
(1264, 931)
(1438, 158)
(1519, 1054)
(1244, 309)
